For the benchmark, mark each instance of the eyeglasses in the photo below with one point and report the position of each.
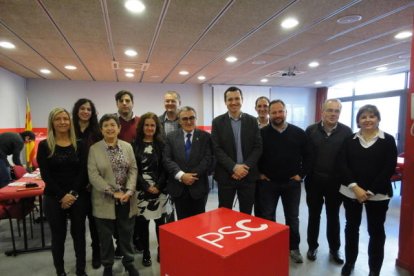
(186, 119)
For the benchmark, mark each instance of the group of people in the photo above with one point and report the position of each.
(123, 170)
(337, 167)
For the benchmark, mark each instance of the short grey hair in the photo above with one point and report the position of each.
(186, 108)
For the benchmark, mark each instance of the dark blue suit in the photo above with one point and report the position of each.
(189, 199)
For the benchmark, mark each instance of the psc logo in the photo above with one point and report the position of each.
(242, 231)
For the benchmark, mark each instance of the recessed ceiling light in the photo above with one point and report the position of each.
(201, 77)
(131, 53)
(258, 62)
(264, 80)
(313, 64)
(45, 71)
(183, 73)
(129, 70)
(317, 82)
(231, 59)
(134, 6)
(382, 68)
(402, 35)
(349, 19)
(404, 56)
(289, 23)
(71, 67)
(7, 45)
(129, 75)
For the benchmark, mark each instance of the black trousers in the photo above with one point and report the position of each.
(318, 192)
(186, 206)
(57, 219)
(376, 213)
(289, 191)
(92, 228)
(245, 194)
(142, 229)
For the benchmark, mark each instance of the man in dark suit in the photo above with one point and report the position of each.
(187, 158)
(237, 146)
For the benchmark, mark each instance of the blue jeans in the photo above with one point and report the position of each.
(289, 191)
(4, 173)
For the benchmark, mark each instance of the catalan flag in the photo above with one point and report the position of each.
(30, 147)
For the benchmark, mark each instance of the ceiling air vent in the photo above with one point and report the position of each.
(144, 66)
(115, 65)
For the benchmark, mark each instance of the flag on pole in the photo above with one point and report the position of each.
(30, 146)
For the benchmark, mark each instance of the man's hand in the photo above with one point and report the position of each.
(124, 198)
(189, 178)
(264, 177)
(240, 171)
(296, 178)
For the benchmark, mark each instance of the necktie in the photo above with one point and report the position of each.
(187, 146)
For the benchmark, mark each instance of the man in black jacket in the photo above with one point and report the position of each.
(237, 148)
(322, 186)
(11, 144)
(282, 168)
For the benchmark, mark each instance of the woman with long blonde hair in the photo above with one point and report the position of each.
(63, 169)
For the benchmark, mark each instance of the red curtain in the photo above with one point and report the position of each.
(321, 96)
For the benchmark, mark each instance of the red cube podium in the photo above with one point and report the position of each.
(224, 242)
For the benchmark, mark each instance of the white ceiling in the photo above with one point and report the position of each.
(197, 36)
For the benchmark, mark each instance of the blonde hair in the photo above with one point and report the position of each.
(51, 141)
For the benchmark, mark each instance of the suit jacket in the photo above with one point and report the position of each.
(199, 162)
(225, 149)
(101, 176)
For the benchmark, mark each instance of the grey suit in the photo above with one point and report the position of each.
(226, 155)
(189, 200)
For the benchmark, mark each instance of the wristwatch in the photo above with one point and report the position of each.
(74, 193)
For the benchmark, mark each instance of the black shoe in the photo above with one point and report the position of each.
(107, 271)
(146, 261)
(372, 273)
(336, 257)
(311, 255)
(83, 273)
(347, 269)
(132, 271)
(118, 254)
(61, 274)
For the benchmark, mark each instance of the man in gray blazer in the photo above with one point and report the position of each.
(237, 146)
(187, 158)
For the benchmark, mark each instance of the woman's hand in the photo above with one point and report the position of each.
(153, 190)
(124, 198)
(67, 201)
(360, 194)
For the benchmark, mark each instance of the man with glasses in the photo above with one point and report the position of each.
(237, 148)
(187, 158)
(322, 186)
